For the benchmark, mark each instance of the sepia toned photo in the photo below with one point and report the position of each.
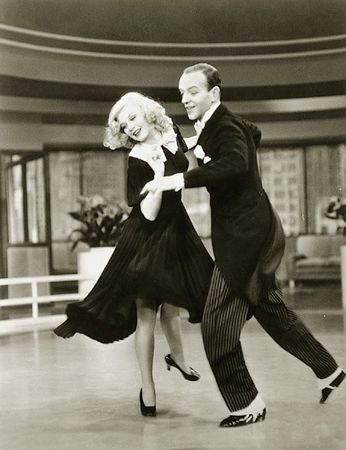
(172, 224)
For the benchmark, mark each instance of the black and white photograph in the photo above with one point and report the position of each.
(172, 224)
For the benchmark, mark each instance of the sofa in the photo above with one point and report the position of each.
(316, 257)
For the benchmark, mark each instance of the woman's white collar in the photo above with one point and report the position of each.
(145, 151)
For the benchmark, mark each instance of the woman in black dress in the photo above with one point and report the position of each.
(159, 259)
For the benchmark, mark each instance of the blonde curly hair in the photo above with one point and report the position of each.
(115, 137)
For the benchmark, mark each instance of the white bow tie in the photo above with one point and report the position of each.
(198, 126)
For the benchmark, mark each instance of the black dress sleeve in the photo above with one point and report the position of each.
(138, 174)
(180, 140)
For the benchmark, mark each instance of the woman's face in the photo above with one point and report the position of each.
(134, 124)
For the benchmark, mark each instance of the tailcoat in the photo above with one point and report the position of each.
(246, 232)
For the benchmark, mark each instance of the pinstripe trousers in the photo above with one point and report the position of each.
(224, 317)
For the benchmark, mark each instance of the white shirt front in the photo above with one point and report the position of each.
(200, 124)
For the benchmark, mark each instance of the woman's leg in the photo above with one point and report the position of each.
(171, 325)
(144, 344)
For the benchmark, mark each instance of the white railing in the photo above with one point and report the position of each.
(35, 299)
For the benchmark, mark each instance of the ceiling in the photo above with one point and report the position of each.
(179, 21)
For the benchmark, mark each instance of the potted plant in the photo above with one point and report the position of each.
(101, 223)
(100, 229)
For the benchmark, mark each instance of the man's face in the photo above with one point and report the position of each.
(195, 95)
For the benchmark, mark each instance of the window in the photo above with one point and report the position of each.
(282, 172)
(325, 177)
(104, 173)
(300, 182)
(26, 200)
(35, 201)
(76, 173)
(15, 205)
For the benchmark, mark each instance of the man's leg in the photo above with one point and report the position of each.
(286, 328)
(223, 319)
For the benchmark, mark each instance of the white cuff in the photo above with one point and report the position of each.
(179, 181)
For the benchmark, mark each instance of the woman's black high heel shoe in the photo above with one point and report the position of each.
(147, 411)
(192, 376)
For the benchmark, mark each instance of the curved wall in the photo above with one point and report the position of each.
(282, 64)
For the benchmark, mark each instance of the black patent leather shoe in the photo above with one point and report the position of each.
(147, 411)
(246, 419)
(327, 391)
(192, 376)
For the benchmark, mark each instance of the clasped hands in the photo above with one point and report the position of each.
(161, 184)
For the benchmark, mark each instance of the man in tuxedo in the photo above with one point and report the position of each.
(248, 244)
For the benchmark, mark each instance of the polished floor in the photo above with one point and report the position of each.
(79, 394)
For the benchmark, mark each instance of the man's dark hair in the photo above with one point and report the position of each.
(211, 74)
